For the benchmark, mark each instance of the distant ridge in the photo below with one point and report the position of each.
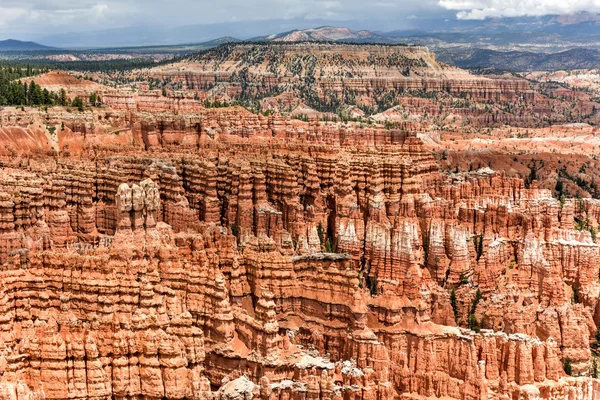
(520, 61)
(323, 33)
(17, 45)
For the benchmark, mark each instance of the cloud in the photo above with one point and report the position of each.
(31, 18)
(9, 14)
(482, 9)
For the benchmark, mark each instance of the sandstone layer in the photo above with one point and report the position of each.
(224, 254)
(164, 247)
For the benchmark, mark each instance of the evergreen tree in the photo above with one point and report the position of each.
(567, 366)
(454, 304)
(62, 97)
(77, 102)
(46, 98)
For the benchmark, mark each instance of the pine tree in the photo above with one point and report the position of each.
(26, 90)
(567, 366)
(47, 100)
(62, 97)
(453, 303)
(77, 102)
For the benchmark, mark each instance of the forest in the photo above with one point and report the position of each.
(15, 92)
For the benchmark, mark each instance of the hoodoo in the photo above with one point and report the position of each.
(182, 242)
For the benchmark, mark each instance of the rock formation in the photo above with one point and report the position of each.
(288, 269)
(156, 248)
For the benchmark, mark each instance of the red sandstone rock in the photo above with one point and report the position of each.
(225, 254)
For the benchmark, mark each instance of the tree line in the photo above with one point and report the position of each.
(15, 92)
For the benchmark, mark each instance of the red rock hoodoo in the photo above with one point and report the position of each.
(158, 249)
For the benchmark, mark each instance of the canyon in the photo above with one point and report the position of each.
(163, 247)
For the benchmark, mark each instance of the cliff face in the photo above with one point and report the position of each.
(326, 76)
(224, 254)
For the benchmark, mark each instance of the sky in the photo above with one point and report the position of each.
(35, 18)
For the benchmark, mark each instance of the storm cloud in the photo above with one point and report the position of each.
(45, 19)
(69, 15)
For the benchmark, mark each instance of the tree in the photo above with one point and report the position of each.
(329, 247)
(46, 97)
(567, 366)
(77, 102)
(95, 99)
(321, 233)
(473, 323)
(478, 297)
(62, 97)
(453, 303)
(164, 92)
(235, 230)
(373, 286)
(478, 242)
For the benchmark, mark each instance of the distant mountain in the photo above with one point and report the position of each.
(220, 41)
(176, 35)
(17, 45)
(558, 32)
(323, 33)
(521, 61)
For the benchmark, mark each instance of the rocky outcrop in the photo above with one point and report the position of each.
(339, 70)
(252, 263)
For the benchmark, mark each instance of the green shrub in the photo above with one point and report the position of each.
(235, 230)
(453, 303)
(567, 366)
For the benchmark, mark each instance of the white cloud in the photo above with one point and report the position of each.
(482, 9)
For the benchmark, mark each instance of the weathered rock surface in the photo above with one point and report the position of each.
(252, 263)
(155, 248)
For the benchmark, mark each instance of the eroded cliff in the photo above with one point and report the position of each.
(226, 254)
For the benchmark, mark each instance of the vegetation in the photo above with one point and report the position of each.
(16, 93)
(329, 246)
(95, 99)
(235, 230)
(211, 104)
(78, 103)
(474, 324)
(373, 286)
(109, 66)
(567, 366)
(321, 234)
(476, 300)
(478, 242)
(581, 182)
(575, 297)
(454, 304)
(533, 176)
